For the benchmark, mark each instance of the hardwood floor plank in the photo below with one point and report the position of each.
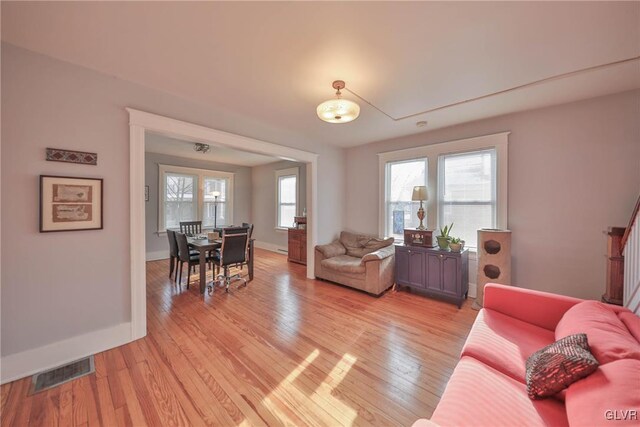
(107, 409)
(15, 401)
(23, 415)
(214, 403)
(80, 402)
(65, 404)
(4, 395)
(285, 350)
(38, 408)
(133, 405)
(93, 400)
(122, 417)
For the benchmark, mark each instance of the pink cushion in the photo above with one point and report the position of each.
(505, 343)
(478, 395)
(632, 322)
(609, 338)
(602, 397)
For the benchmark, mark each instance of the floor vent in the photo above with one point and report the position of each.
(62, 374)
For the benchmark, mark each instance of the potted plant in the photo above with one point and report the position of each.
(443, 238)
(455, 244)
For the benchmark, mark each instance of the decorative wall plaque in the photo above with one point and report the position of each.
(70, 156)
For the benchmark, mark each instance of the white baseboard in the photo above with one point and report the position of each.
(473, 290)
(271, 247)
(154, 256)
(29, 362)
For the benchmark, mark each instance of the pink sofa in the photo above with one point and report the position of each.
(488, 387)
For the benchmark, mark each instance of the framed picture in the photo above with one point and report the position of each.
(70, 204)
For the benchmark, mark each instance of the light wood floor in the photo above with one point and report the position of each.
(284, 350)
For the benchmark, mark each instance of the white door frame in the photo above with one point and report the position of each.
(141, 121)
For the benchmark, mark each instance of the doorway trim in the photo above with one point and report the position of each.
(139, 123)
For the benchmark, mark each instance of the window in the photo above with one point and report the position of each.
(401, 212)
(287, 197)
(214, 186)
(187, 194)
(467, 193)
(466, 182)
(180, 198)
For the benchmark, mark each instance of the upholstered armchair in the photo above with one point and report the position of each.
(358, 261)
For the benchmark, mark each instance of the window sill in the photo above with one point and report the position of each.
(282, 229)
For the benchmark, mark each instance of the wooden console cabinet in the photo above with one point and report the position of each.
(297, 247)
(615, 266)
(434, 272)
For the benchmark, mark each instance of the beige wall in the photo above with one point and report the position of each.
(263, 201)
(61, 285)
(157, 245)
(574, 170)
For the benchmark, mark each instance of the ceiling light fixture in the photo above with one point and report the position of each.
(338, 110)
(201, 148)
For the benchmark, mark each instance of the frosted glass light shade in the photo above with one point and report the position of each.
(338, 111)
(215, 193)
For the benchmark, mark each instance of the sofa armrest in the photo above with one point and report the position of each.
(380, 254)
(539, 308)
(332, 249)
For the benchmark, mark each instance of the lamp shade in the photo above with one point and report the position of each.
(419, 193)
(338, 111)
(215, 193)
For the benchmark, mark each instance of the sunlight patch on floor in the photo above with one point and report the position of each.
(323, 395)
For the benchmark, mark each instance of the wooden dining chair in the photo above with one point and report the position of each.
(173, 253)
(191, 227)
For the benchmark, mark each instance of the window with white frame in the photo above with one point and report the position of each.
(215, 205)
(188, 194)
(467, 193)
(401, 212)
(466, 182)
(180, 198)
(286, 197)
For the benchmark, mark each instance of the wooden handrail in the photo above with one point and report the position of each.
(623, 242)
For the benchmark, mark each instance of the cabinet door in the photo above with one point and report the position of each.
(416, 269)
(294, 246)
(450, 279)
(434, 272)
(303, 249)
(402, 266)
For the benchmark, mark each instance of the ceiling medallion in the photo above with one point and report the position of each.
(338, 110)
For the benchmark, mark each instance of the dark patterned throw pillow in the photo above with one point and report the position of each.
(558, 365)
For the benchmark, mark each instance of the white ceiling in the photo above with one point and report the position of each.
(274, 62)
(155, 143)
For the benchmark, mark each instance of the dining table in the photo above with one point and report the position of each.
(203, 245)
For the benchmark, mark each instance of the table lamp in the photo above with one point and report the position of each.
(420, 195)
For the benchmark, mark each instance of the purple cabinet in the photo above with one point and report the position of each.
(416, 269)
(434, 272)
